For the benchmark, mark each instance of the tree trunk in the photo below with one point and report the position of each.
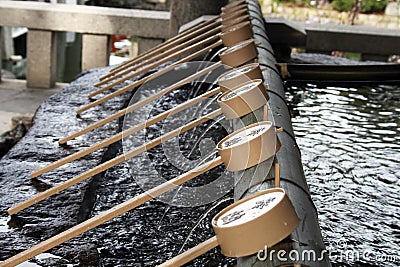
(183, 11)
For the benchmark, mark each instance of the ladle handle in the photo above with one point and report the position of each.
(183, 36)
(277, 175)
(277, 166)
(107, 215)
(169, 57)
(284, 70)
(141, 103)
(143, 80)
(125, 133)
(265, 112)
(111, 163)
(142, 65)
(192, 253)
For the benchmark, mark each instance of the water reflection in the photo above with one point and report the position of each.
(349, 138)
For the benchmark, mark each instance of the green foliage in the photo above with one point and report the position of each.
(367, 6)
(353, 56)
(342, 5)
(373, 6)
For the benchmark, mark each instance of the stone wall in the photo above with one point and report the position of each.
(325, 15)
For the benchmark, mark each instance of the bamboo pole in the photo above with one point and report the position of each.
(125, 133)
(166, 58)
(186, 35)
(277, 175)
(159, 56)
(181, 37)
(184, 41)
(140, 103)
(106, 216)
(111, 163)
(124, 70)
(141, 81)
(192, 253)
(207, 245)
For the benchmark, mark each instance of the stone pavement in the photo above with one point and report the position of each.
(17, 100)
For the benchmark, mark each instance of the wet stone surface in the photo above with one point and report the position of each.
(145, 236)
(157, 231)
(54, 119)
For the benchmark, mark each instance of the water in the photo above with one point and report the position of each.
(156, 231)
(4, 224)
(350, 145)
(44, 259)
(349, 138)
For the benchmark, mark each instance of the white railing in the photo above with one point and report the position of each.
(95, 23)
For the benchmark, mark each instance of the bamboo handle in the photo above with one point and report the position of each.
(277, 175)
(156, 49)
(141, 81)
(186, 35)
(116, 93)
(265, 113)
(77, 155)
(127, 132)
(93, 126)
(105, 88)
(112, 95)
(192, 253)
(153, 65)
(111, 163)
(156, 64)
(159, 56)
(284, 70)
(126, 71)
(109, 214)
(140, 103)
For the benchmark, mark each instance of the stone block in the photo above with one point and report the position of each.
(95, 51)
(392, 9)
(285, 33)
(6, 49)
(356, 39)
(42, 59)
(84, 19)
(26, 120)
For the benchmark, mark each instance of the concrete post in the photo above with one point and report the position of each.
(95, 51)
(7, 49)
(145, 44)
(61, 55)
(1, 51)
(42, 59)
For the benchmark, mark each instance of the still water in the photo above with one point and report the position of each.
(350, 144)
